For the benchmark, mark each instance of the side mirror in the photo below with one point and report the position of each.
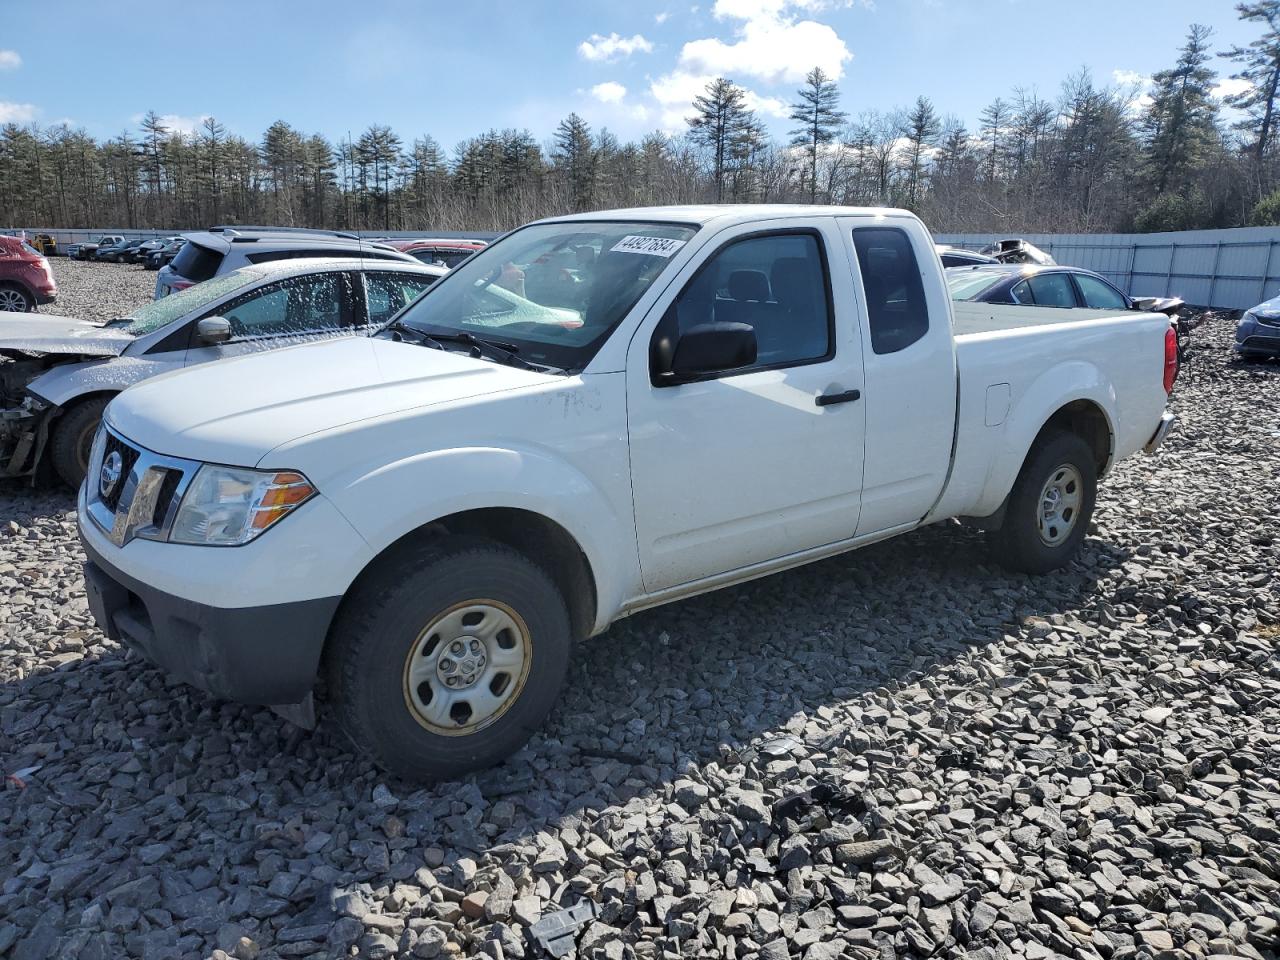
(711, 348)
(213, 330)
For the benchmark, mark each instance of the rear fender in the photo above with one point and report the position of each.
(1053, 390)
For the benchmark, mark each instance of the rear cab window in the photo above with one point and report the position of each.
(197, 263)
(897, 311)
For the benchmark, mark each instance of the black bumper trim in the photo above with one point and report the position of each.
(257, 655)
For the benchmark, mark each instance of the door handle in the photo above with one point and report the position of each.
(827, 399)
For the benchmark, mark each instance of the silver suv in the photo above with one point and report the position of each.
(219, 250)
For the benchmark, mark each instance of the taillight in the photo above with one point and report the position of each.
(176, 285)
(1170, 359)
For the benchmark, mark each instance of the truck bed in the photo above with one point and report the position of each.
(975, 319)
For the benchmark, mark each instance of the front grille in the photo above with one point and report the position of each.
(165, 498)
(129, 457)
(143, 500)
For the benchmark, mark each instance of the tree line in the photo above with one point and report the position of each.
(1094, 158)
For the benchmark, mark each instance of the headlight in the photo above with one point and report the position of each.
(95, 451)
(1270, 319)
(228, 506)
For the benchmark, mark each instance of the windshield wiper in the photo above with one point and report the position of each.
(499, 350)
(471, 340)
(496, 350)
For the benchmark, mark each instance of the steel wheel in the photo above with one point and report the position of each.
(1060, 504)
(467, 667)
(13, 300)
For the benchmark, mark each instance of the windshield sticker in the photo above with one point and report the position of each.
(651, 246)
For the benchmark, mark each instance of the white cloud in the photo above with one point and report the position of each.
(675, 92)
(767, 105)
(9, 60)
(597, 47)
(770, 44)
(1230, 86)
(609, 92)
(17, 112)
(1130, 78)
(176, 123)
(660, 18)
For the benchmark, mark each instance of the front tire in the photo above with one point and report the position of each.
(13, 298)
(448, 660)
(73, 439)
(1050, 506)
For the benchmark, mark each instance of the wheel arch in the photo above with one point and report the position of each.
(1086, 419)
(535, 536)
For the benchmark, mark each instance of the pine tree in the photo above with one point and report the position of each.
(574, 155)
(720, 122)
(995, 121)
(154, 132)
(212, 136)
(920, 129)
(1260, 66)
(1181, 123)
(819, 117)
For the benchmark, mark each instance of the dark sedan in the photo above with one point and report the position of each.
(1048, 286)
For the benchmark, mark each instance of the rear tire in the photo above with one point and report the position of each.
(467, 612)
(1050, 506)
(14, 298)
(73, 438)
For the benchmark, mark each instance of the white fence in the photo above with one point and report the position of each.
(1228, 269)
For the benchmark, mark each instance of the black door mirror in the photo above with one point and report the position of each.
(710, 348)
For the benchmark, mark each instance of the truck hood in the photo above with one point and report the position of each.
(237, 411)
(32, 333)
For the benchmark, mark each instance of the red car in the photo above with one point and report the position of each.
(450, 253)
(25, 276)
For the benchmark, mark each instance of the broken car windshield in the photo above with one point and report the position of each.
(156, 314)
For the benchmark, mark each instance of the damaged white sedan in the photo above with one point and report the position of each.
(58, 374)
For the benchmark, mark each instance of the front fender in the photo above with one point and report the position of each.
(1050, 392)
(385, 503)
(68, 382)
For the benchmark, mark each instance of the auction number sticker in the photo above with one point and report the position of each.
(652, 246)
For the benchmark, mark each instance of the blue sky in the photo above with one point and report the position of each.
(455, 69)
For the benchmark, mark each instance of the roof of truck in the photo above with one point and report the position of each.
(702, 214)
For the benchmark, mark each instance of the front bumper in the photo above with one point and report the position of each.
(259, 655)
(1255, 337)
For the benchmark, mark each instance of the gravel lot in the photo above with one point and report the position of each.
(1083, 765)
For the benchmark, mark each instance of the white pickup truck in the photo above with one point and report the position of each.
(594, 415)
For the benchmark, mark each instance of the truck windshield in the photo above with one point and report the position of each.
(968, 284)
(156, 314)
(553, 290)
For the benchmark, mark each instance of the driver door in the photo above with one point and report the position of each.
(746, 466)
(317, 306)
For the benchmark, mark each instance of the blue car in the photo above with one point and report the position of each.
(1258, 333)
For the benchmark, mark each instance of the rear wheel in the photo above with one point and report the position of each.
(450, 659)
(15, 299)
(73, 438)
(1049, 507)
